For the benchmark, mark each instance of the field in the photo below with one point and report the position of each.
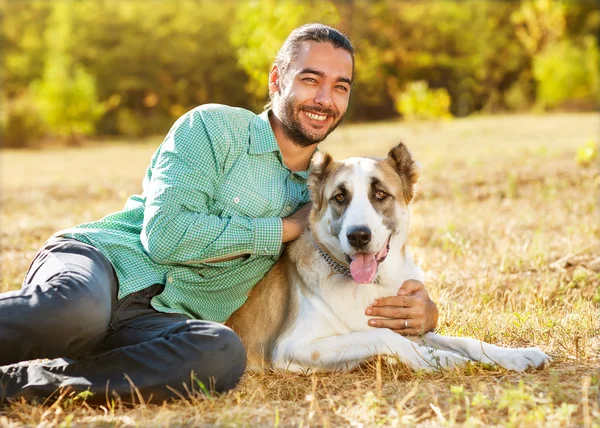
(506, 225)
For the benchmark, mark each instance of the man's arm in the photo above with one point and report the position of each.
(294, 225)
(177, 227)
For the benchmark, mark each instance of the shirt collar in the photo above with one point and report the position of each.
(262, 138)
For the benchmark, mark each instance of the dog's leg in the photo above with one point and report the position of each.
(343, 352)
(517, 359)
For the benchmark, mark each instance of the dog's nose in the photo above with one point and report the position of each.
(359, 236)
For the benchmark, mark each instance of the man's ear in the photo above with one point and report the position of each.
(408, 170)
(321, 166)
(274, 80)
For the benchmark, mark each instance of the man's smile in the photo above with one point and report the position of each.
(316, 116)
(317, 119)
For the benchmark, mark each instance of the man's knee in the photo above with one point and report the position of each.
(236, 354)
(226, 360)
(80, 318)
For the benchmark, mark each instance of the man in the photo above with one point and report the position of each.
(137, 297)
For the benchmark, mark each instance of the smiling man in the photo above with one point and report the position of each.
(139, 296)
(313, 93)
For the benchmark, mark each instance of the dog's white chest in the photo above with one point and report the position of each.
(349, 301)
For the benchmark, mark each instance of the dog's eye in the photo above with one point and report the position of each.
(380, 195)
(339, 197)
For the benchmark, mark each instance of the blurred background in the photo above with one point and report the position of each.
(73, 70)
(497, 99)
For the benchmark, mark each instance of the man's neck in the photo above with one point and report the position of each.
(296, 158)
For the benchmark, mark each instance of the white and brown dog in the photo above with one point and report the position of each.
(308, 312)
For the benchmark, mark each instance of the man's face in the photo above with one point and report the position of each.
(314, 92)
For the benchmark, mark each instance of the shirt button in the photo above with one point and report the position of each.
(236, 200)
(288, 207)
(170, 279)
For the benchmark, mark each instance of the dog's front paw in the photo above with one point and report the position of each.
(521, 359)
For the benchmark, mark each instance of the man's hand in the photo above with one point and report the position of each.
(294, 225)
(410, 313)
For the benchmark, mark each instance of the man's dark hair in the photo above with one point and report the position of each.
(310, 32)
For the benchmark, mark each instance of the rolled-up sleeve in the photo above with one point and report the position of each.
(177, 227)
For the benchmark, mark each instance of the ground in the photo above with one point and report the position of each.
(505, 225)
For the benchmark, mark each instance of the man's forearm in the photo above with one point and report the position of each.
(294, 225)
(193, 238)
(292, 229)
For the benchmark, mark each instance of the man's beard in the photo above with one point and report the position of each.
(293, 127)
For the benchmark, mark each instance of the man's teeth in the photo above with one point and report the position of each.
(316, 116)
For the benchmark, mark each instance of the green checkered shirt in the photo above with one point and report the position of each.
(216, 187)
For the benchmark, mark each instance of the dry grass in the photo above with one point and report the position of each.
(505, 224)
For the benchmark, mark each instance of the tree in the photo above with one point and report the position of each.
(158, 59)
(66, 93)
(260, 29)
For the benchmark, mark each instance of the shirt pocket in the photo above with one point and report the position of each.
(241, 200)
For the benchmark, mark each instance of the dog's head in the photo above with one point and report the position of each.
(360, 204)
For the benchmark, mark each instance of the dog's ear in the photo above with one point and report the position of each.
(320, 167)
(408, 170)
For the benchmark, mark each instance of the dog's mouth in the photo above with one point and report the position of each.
(363, 266)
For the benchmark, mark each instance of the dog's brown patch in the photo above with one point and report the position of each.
(338, 208)
(323, 169)
(409, 171)
(264, 315)
(391, 184)
(321, 166)
(315, 356)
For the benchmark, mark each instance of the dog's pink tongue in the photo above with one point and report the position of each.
(363, 267)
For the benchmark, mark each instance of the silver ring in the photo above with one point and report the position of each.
(405, 323)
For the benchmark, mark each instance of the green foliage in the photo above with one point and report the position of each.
(66, 94)
(539, 23)
(587, 154)
(452, 242)
(22, 42)
(168, 57)
(428, 41)
(520, 94)
(581, 276)
(567, 71)
(20, 123)
(67, 101)
(149, 62)
(261, 27)
(419, 102)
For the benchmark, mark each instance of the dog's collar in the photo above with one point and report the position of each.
(336, 266)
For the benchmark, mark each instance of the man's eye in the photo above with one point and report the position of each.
(309, 80)
(380, 194)
(339, 197)
(342, 88)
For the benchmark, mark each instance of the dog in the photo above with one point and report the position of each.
(308, 312)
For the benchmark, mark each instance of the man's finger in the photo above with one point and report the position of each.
(409, 287)
(395, 324)
(402, 301)
(391, 312)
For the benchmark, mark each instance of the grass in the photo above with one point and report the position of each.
(505, 225)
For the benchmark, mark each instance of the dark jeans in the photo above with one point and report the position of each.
(68, 308)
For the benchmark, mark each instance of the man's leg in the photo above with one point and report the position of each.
(64, 306)
(146, 354)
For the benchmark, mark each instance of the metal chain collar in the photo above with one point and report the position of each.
(342, 270)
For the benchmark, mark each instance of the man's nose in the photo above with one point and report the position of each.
(323, 96)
